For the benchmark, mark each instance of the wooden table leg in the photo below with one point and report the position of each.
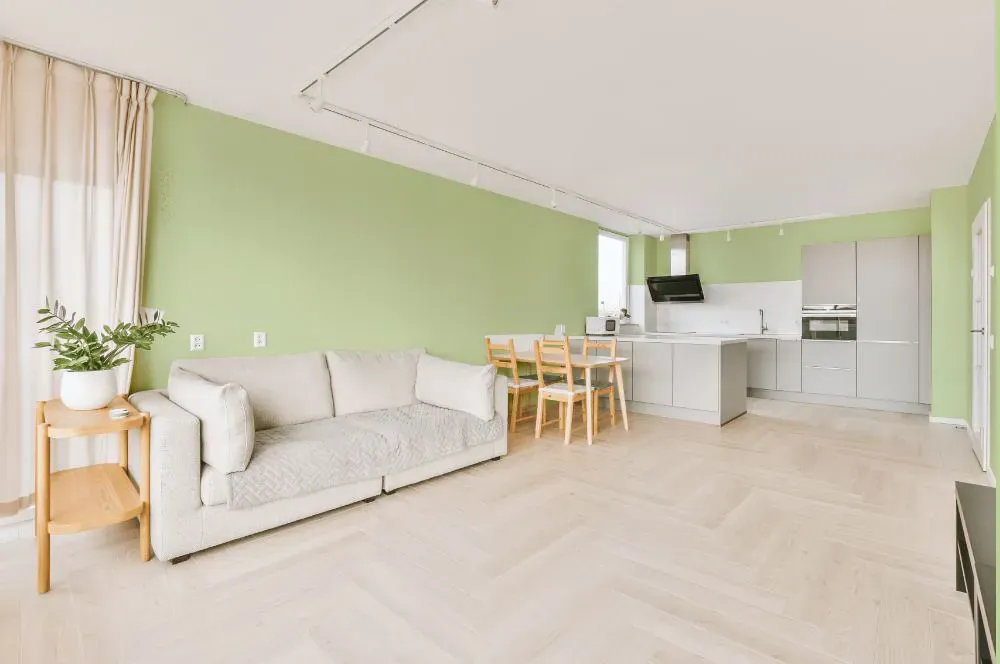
(621, 394)
(123, 449)
(145, 549)
(589, 401)
(42, 470)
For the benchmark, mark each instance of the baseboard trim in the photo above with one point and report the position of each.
(843, 402)
(951, 421)
(676, 413)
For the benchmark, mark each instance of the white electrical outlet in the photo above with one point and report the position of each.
(259, 339)
(197, 342)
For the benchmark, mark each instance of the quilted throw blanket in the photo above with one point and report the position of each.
(297, 459)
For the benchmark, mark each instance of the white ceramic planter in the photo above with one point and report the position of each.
(87, 390)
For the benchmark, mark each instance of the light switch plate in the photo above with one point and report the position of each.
(197, 342)
(259, 339)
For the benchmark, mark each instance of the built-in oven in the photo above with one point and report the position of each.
(835, 322)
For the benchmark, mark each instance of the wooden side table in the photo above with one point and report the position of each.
(72, 501)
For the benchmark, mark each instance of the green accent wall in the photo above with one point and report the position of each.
(951, 304)
(253, 229)
(641, 258)
(761, 254)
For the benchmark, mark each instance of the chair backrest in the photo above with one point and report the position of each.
(506, 361)
(610, 345)
(552, 357)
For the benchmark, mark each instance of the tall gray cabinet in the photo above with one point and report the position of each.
(829, 274)
(888, 298)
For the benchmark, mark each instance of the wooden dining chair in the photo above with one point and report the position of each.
(602, 386)
(517, 385)
(552, 358)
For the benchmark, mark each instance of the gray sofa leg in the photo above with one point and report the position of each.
(371, 500)
(389, 493)
(179, 559)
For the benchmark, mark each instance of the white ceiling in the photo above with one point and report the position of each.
(694, 113)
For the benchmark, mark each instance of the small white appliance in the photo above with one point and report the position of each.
(602, 325)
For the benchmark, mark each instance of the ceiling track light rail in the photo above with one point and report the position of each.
(378, 32)
(479, 164)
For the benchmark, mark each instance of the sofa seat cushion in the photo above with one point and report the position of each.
(301, 458)
(283, 389)
(422, 432)
(297, 459)
(214, 487)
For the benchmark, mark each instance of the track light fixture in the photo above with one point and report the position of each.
(662, 237)
(366, 144)
(781, 230)
(317, 102)
(553, 203)
(475, 176)
(729, 236)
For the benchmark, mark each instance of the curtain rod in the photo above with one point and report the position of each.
(109, 72)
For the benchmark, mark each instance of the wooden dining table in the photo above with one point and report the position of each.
(588, 363)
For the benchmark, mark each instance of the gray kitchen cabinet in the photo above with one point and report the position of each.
(762, 363)
(697, 376)
(789, 365)
(653, 373)
(832, 382)
(829, 354)
(829, 274)
(888, 290)
(924, 268)
(888, 371)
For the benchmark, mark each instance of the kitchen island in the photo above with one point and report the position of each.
(686, 377)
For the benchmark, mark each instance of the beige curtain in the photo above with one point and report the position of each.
(74, 181)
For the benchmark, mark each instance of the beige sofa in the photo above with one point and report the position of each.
(329, 429)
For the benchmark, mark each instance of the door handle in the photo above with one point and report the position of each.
(979, 331)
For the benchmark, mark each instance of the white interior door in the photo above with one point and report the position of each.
(981, 337)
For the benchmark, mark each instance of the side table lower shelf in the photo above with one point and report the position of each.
(91, 497)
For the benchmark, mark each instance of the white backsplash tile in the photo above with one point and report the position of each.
(734, 309)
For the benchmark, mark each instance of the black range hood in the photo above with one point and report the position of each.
(683, 288)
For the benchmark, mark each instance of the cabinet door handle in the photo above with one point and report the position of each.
(979, 331)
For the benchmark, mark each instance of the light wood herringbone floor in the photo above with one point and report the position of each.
(796, 534)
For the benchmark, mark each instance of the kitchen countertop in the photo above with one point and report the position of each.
(735, 335)
(692, 339)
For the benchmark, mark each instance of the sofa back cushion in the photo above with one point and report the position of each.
(283, 389)
(456, 386)
(227, 431)
(366, 381)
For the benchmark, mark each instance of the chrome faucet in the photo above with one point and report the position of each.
(763, 325)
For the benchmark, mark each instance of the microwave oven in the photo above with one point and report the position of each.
(830, 323)
(602, 325)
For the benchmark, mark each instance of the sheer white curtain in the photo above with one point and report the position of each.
(74, 181)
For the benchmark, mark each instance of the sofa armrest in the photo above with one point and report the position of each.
(174, 473)
(500, 398)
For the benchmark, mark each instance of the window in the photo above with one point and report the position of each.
(612, 281)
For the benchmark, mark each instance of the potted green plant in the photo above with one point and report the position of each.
(88, 358)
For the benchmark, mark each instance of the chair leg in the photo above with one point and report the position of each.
(562, 416)
(597, 411)
(569, 421)
(515, 411)
(611, 407)
(539, 414)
